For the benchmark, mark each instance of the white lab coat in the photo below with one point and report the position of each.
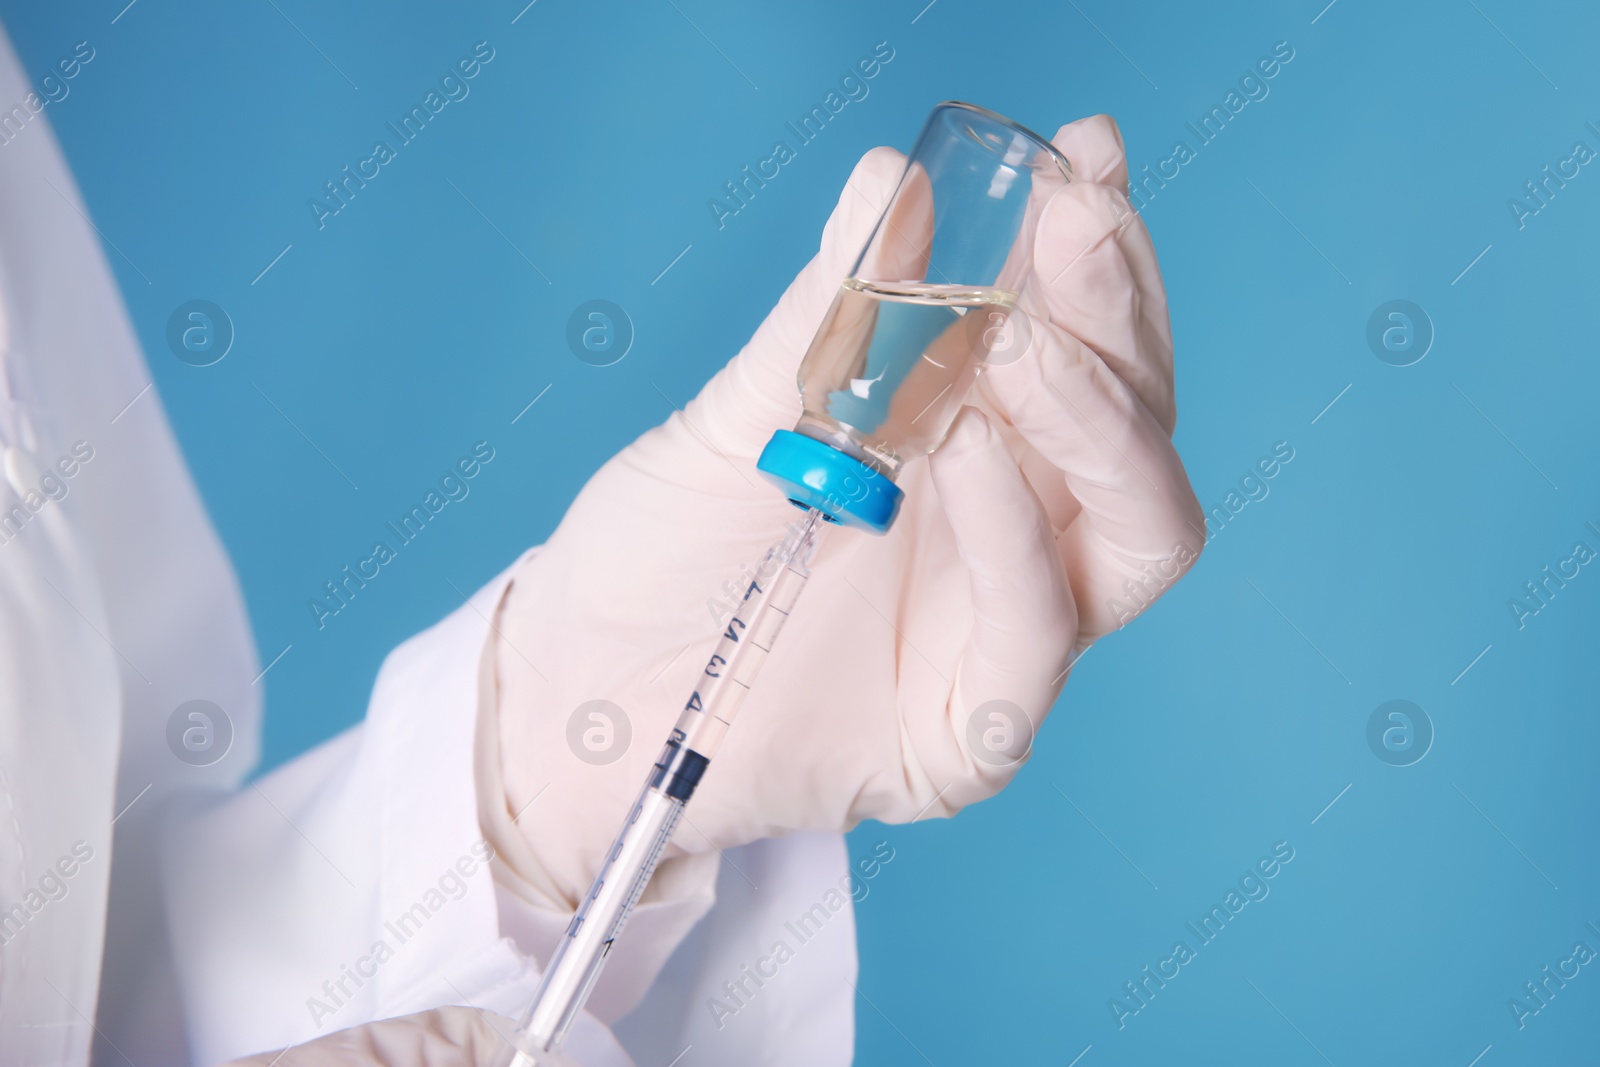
(117, 604)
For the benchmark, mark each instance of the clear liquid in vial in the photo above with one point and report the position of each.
(891, 364)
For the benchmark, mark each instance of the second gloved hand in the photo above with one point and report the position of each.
(911, 677)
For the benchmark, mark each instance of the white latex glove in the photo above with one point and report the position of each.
(443, 1037)
(1014, 541)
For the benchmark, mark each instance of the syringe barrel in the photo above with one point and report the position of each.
(626, 868)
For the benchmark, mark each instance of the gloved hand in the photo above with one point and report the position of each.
(443, 1037)
(1010, 556)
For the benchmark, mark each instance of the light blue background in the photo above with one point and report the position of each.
(408, 328)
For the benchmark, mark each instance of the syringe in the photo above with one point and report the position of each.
(575, 965)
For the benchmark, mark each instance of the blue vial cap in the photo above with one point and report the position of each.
(844, 489)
